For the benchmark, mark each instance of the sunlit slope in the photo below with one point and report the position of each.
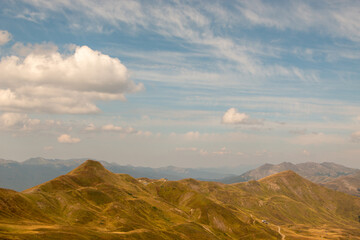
(298, 206)
(91, 202)
(290, 201)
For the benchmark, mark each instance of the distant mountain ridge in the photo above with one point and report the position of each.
(348, 184)
(316, 172)
(22, 175)
(329, 174)
(91, 202)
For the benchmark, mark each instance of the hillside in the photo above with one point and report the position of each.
(91, 202)
(349, 184)
(315, 172)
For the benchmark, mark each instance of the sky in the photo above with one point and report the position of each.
(185, 83)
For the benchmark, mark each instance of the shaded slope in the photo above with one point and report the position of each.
(348, 184)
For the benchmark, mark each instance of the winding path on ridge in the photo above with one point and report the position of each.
(282, 235)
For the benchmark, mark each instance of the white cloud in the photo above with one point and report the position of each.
(192, 135)
(47, 81)
(18, 121)
(144, 133)
(341, 19)
(222, 151)
(65, 138)
(190, 22)
(111, 127)
(232, 116)
(177, 18)
(355, 136)
(32, 16)
(5, 37)
(11, 119)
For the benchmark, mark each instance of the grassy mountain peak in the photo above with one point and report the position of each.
(91, 167)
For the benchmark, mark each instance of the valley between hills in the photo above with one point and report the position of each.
(90, 202)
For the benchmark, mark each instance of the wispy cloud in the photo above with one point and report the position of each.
(32, 16)
(180, 21)
(264, 79)
(334, 18)
(116, 129)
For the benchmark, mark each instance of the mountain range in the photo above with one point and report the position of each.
(90, 202)
(328, 174)
(22, 175)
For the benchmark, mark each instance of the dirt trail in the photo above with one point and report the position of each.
(279, 228)
(282, 235)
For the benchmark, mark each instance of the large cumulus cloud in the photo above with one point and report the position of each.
(50, 82)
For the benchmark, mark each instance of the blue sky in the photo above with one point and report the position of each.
(185, 83)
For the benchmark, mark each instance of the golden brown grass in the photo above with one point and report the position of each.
(92, 203)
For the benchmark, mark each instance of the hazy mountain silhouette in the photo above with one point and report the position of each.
(332, 175)
(22, 175)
